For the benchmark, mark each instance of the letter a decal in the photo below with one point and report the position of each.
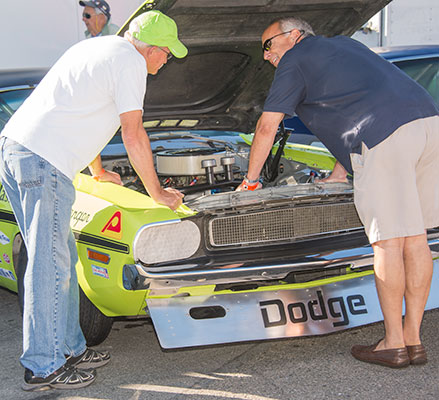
(113, 228)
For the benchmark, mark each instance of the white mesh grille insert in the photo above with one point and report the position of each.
(282, 224)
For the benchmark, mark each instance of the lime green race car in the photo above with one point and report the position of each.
(288, 260)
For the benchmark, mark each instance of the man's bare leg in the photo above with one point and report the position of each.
(390, 284)
(403, 267)
(418, 264)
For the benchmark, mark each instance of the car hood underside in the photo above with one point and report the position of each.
(223, 81)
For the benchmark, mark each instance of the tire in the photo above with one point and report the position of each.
(95, 325)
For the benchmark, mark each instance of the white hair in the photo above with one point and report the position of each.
(136, 42)
(289, 23)
(134, 28)
(99, 12)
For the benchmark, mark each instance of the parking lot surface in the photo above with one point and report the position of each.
(299, 368)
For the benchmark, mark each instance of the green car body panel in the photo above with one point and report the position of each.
(106, 218)
(9, 230)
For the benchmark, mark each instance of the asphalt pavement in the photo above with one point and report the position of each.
(300, 368)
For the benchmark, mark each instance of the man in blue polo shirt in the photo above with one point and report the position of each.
(382, 127)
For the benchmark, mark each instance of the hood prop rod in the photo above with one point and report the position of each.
(273, 166)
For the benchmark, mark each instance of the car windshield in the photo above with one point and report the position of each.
(10, 100)
(425, 72)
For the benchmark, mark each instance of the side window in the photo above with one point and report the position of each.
(425, 72)
(9, 102)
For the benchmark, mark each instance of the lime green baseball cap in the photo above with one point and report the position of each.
(157, 29)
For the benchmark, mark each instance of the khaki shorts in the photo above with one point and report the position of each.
(396, 183)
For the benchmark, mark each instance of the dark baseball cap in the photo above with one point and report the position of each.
(99, 4)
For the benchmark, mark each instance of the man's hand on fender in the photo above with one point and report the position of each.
(338, 174)
(170, 197)
(108, 176)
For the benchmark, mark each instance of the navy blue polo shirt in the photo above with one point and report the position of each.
(345, 94)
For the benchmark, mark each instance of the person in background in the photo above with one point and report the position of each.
(96, 17)
(95, 87)
(383, 128)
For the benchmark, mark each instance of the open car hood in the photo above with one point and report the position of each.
(223, 82)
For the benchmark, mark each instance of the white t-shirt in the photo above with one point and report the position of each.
(74, 112)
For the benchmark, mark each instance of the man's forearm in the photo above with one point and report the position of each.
(261, 147)
(139, 151)
(265, 132)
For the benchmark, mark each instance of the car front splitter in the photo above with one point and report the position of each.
(186, 321)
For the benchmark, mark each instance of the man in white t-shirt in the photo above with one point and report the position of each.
(61, 128)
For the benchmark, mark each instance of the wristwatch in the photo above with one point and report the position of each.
(248, 184)
(99, 175)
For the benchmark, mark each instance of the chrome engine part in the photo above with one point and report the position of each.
(188, 162)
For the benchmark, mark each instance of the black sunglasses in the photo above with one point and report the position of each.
(169, 55)
(87, 15)
(267, 44)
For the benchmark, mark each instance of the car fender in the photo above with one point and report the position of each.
(105, 220)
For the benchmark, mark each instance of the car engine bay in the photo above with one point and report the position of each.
(199, 165)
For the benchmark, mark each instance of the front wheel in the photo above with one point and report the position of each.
(95, 325)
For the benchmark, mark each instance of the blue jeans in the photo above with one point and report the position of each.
(42, 198)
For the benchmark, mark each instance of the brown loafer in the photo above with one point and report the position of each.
(417, 354)
(393, 358)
